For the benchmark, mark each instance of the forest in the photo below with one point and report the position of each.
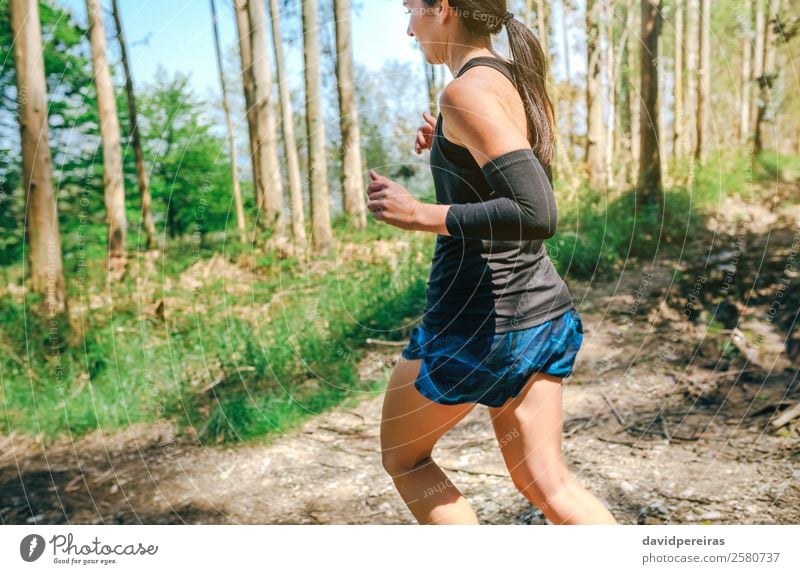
(206, 263)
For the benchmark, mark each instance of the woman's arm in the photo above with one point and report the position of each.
(525, 206)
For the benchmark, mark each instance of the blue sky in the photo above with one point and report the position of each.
(177, 35)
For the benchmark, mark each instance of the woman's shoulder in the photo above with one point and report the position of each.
(477, 116)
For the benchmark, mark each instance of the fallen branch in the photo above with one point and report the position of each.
(386, 343)
(787, 416)
(614, 409)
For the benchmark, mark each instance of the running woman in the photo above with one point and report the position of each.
(499, 326)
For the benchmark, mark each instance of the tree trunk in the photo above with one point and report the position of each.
(237, 190)
(44, 239)
(758, 64)
(270, 182)
(433, 87)
(352, 177)
(634, 23)
(529, 22)
(543, 29)
(287, 128)
(767, 77)
(625, 90)
(746, 79)
(113, 183)
(677, 123)
(594, 99)
(690, 102)
(608, 32)
(136, 141)
(246, 57)
(320, 210)
(662, 130)
(650, 188)
(568, 77)
(620, 55)
(703, 79)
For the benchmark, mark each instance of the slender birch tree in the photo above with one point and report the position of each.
(322, 233)
(649, 186)
(235, 186)
(113, 182)
(42, 229)
(287, 129)
(270, 181)
(142, 182)
(352, 177)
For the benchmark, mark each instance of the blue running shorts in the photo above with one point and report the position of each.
(490, 369)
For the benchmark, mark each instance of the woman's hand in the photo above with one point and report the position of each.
(425, 134)
(391, 202)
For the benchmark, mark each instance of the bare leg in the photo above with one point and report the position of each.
(410, 426)
(528, 429)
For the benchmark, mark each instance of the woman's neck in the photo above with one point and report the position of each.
(457, 60)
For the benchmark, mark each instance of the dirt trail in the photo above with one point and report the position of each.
(666, 421)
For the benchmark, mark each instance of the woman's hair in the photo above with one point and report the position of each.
(529, 66)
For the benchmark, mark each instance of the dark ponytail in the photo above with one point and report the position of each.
(529, 66)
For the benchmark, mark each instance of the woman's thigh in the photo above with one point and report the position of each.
(528, 429)
(411, 423)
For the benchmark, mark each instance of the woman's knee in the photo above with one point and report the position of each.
(540, 482)
(399, 463)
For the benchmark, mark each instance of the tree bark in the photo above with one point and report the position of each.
(113, 182)
(746, 79)
(246, 57)
(662, 129)
(650, 188)
(690, 102)
(677, 124)
(42, 229)
(432, 83)
(767, 76)
(270, 181)
(703, 79)
(594, 98)
(352, 176)
(620, 104)
(570, 142)
(635, 97)
(287, 128)
(235, 187)
(608, 32)
(758, 64)
(315, 126)
(543, 29)
(136, 142)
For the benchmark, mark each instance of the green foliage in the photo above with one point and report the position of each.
(190, 180)
(221, 362)
(600, 231)
(780, 167)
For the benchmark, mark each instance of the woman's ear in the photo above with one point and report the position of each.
(444, 11)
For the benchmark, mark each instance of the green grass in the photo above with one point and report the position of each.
(601, 231)
(227, 368)
(219, 364)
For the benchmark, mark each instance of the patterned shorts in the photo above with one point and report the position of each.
(490, 369)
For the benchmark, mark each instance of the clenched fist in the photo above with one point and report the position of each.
(425, 134)
(391, 202)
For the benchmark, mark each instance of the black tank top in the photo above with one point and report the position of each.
(481, 286)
